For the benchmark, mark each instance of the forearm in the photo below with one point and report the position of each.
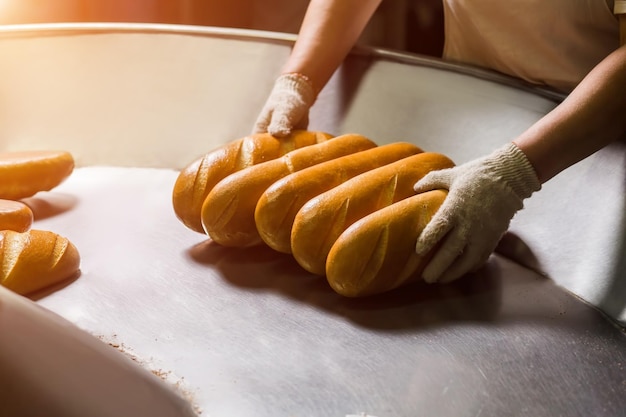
(329, 30)
(591, 117)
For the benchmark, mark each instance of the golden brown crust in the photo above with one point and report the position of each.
(321, 220)
(228, 210)
(23, 174)
(279, 204)
(377, 253)
(35, 260)
(196, 180)
(15, 216)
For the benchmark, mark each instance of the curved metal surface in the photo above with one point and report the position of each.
(50, 367)
(61, 29)
(247, 331)
(288, 39)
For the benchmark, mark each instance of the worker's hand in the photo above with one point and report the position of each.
(287, 107)
(483, 196)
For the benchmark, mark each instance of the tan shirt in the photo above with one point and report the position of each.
(549, 42)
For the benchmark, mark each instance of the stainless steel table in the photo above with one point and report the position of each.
(248, 332)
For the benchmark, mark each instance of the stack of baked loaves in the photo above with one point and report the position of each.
(343, 206)
(31, 260)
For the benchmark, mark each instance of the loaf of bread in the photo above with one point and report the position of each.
(24, 174)
(228, 210)
(15, 216)
(321, 220)
(279, 204)
(377, 253)
(197, 179)
(36, 259)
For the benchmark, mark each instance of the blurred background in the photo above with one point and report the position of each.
(406, 25)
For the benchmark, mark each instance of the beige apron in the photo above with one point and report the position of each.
(549, 42)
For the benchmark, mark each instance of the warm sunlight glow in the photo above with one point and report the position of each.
(9, 9)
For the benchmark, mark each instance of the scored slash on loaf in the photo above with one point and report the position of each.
(32, 260)
(320, 222)
(377, 253)
(343, 206)
(36, 259)
(278, 206)
(228, 211)
(197, 179)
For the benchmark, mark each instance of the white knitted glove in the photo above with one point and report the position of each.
(287, 107)
(483, 196)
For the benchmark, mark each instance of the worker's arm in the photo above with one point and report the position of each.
(591, 117)
(485, 194)
(329, 30)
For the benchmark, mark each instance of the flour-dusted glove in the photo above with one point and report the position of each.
(287, 107)
(483, 196)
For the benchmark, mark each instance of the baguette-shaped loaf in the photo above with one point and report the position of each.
(377, 253)
(35, 260)
(279, 204)
(15, 216)
(24, 174)
(228, 210)
(197, 179)
(321, 220)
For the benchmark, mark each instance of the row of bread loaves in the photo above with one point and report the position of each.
(343, 206)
